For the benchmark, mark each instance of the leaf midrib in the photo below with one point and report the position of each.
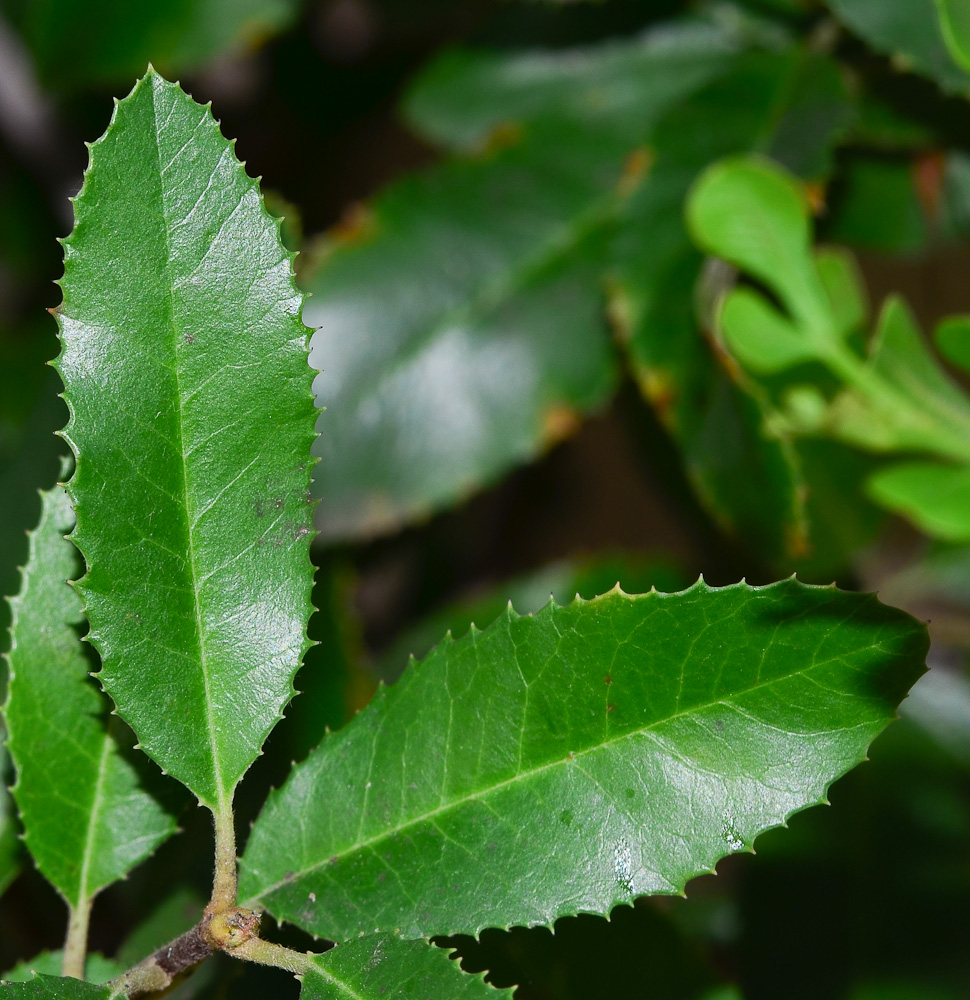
(294, 877)
(223, 800)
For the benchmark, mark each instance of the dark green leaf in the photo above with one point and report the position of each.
(50, 988)
(617, 88)
(10, 853)
(462, 332)
(768, 102)
(184, 364)
(387, 968)
(112, 40)
(84, 802)
(909, 31)
(575, 759)
(876, 207)
(561, 581)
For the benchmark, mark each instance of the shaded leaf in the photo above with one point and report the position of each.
(618, 88)
(575, 759)
(191, 487)
(113, 40)
(85, 800)
(10, 852)
(876, 207)
(953, 340)
(910, 32)
(462, 325)
(374, 968)
(560, 581)
(792, 106)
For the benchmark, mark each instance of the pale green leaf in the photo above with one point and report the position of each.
(934, 496)
(753, 214)
(761, 338)
(913, 404)
(844, 286)
(84, 798)
(575, 759)
(97, 968)
(387, 968)
(184, 364)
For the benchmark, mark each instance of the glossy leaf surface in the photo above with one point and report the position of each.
(462, 322)
(83, 795)
(191, 487)
(387, 968)
(910, 32)
(575, 759)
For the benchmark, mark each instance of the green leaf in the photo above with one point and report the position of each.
(51, 988)
(575, 759)
(844, 286)
(184, 365)
(934, 496)
(86, 801)
(754, 215)
(762, 338)
(793, 106)
(10, 853)
(953, 340)
(876, 207)
(387, 968)
(97, 968)
(924, 408)
(619, 88)
(910, 32)
(463, 332)
(561, 581)
(113, 40)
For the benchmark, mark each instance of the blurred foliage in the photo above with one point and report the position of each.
(493, 194)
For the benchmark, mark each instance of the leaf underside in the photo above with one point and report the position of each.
(85, 799)
(575, 759)
(185, 369)
(382, 968)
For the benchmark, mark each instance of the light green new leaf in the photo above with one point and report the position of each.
(912, 402)
(753, 214)
(762, 338)
(910, 32)
(85, 800)
(844, 286)
(387, 968)
(934, 496)
(51, 988)
(575, 759)
(185, 369)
